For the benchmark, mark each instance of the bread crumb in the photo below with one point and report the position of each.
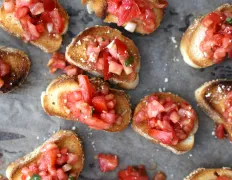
(190, 155)
(73, 128)
(164, 89)
(166, 80)
(173, 40)
(160, 90)
(176, 46)
(79, 42)
(213, 133)
(37, 137)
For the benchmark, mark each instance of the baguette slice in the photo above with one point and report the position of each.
(190, 43)
(183, 146)
(62, 138)
(46, 42)
(51, 102)
(211, 98)
(76, 55)
(100, 9)
(209, 174)
(19, 64)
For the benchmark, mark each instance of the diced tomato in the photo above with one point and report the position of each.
(72, 70)
(62, 159)
(85, 88)
(4, 68)
(61, 174)
(105, 89)
(159, 176)
(72, 158)
(57, 21)
(107, 75)
(1, 83)
(49, 5)
(21, 12)
(33, 30)
(110, 118)
(163, 136)
(99, 103)
(37, 8)
(107, 162)
(113, 6)
(97, 123)
(153, 108)
(9, 6)
(121, 47)
(115, 68)
(133, 173)
(220, 132)
(223, 177)
(40, 28)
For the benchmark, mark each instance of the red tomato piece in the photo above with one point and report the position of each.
(107, 75)
(33, 31)
(85, 88)
(108, 117)
(133, 173)
(49, 5)
(163, 136)
(121, 47)
(72, 158)
(57, 21)
(154, 108)
(97, 123)
(40, 28)
(159, 176)
(107, 162)
(61, 175)
(21, 12)
(1, 83)
(37, 8)
(99, 103)
(72, 70)
(220, 131)
(4, 68)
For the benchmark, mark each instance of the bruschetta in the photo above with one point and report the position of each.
(141, 16)
(105, 52)
(91, 102)
(60, 157)
(210, 174)
(168, 120)
(215, 98)
(14, 68)
(208, 40)
(40, 22)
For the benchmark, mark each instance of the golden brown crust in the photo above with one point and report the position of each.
(181, 147)
(46, 42)
(19, 64)
(206, 174)
(100, 9)
(62, 138)
(190, 43)
(50, 100)
(211, 97)
(76, 54)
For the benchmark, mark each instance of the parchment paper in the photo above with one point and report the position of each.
(21, 112)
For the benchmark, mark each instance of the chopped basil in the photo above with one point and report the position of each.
(229, 21)
(35, 177)
(71, 178)
(129, 61)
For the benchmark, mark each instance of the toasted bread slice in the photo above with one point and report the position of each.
(19, 64)
(209, 174)
(76, 55)
(100, 9)
(51, 100)
(211, 98)
(62, 138)
(46, 42)
(183, 146)
(191, 40)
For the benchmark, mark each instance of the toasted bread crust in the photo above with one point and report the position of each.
(100, 9)
(214, 111)
(181, 147)
(212, 174)
(190, 43)
(50, 100)
(46, 42)
(62, 138)
(76, 55)
(19, 64)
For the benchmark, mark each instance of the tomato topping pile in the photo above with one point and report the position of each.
(220, 131)
(223, 177)
(58, 61)
(135, 11)
(4, 70)
(36, 16)
(92, 105)
(159, 176)
(167, 121)
(107, 162)
(217, 43)
(109, 56)
(136, 172)
(54, 163)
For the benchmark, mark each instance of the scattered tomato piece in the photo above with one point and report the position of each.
(136, 172)
(107, 162)
(220, 131)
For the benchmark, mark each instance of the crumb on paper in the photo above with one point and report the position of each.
(164, 89)
(166, 80)
(160, 90)
(73, 128)
(213, 133)
(175, 59)
(174, 40)
(37, 137)
(176, 46)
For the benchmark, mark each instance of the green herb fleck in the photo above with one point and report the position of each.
(229, 21)
(35, 177)
(103, 39)
(129, 61)
(71, 178)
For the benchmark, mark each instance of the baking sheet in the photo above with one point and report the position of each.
(24, 125)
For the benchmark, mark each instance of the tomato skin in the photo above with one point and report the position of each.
(220, 131)
(85, 88)
(163, 136)
(133, 173)
(21, 12)
(107, 75)
(107, 162)
(99, 103)
(49, 5)
(121, 47)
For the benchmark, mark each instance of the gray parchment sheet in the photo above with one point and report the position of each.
(24, 125)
